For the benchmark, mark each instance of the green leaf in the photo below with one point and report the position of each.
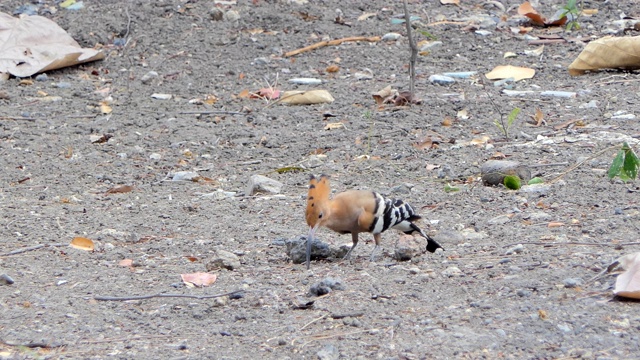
(512, 116)
(631, 164)
(448, 188)
(616, 165)
(535, 180)
(512, 182)
(289, 169)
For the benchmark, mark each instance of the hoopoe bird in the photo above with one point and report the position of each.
(356, 211)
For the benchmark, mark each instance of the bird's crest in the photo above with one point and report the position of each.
(317, 198)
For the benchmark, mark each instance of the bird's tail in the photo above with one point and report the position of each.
(432, 245)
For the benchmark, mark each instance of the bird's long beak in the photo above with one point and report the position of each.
(312, 232)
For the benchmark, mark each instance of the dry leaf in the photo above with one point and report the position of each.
(366, 16)
(100, 139)
(424, 144)
(554, 224)
(462, 114)
(535, 52)
(306, 97)
(332, 69)
(538, 118)
(120, 189)
(331, 126)
(244, 94)
(199, 279)
(480, 140)
(536, 18)
(82, 243)
(450, 2)
(382, 96)
(608, 52)
(34, 44)
(508, 71)
(447, 121)
(628, 283)
(105, 108)
(126, 262)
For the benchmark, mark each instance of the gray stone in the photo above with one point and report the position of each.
(515, 250)
(328, 352)
(572, 283)
(407, 247)
(325, 286)
(223, 260)
(494, 171)
(148, 77)
(452, 271)
(296, 248)
(262, 184)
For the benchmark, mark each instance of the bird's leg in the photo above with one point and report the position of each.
(377, 238)
(354, 239)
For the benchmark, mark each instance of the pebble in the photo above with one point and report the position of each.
(460, 75)
(261, 61)
(501, 332)
(162, 96)
(232, 16)
(564, 328)
(499, 220)
(441, 79)
(391, 36)
(524, 293)
(262, 184)
(305, 81)
(216, 14)
(223, 259)
(571, 282)
(452, 271)
(296, 248)
(325, 286)
(185, 176)
(430, 45)
(328, 352)
(155, 156)
(42, 77)
(146, 78)
(6, 280)
(515, 250)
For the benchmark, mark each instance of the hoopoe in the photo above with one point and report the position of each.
(357, 211)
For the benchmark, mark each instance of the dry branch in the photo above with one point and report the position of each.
(143, 297)
(331, 43)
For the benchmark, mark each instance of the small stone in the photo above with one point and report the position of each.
(162, 96)
(452, 271)
(296, 248)
(42, 77)
(501, 332)
(524, 293)
(325, 286)
(155, 156)
(572, 283)
(220, 301)
(6, 280)
(515, 250)
(185, 176)
(261, 61)
(263, 184)
(564, 328)
(223, 260)
(430, 45)
(146, 78)
(618, 211)
(328, 352)
(499, 220)
(441, 79)
(391, 36)
(216, 14)
(494, 171)
(231, 16)
(407, 247)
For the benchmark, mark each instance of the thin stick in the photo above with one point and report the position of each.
(142, 297)
(17, 118)
(414, 52)
(30, 248)
(213, 112)
(582, 162)
(312, 321)
(331, 43)
(572, 243)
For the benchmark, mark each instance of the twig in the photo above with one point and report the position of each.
(143, 297)
(346, 315)
(331, 43)
(30, 248)
(34, 344)
(312, 321)
(17, 118)
(572, 243)
(213, 112)
(582, 162)
(414, 52)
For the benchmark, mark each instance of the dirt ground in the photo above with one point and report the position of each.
(484, 297)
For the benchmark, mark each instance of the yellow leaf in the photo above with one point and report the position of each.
(66, 4)
(508, 71)
(331, 126)
(82, 243)
(306, 97)
(105, 108)
(608, 53)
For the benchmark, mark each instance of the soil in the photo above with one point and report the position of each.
(483, 297)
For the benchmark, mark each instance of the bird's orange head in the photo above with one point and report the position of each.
(317, 201)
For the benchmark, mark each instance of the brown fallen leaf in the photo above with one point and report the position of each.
(332, 126)
(120, 189)
(538, 118)
(450, 2)
(508, 71)
(82, 243)
(33, 44)
(306, 97)
(525, 9)
(332, 69)
(608, 53)
(199, 279)
(426, 143)
(554, 224)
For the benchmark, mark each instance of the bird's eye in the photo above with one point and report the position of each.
(320, 216)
